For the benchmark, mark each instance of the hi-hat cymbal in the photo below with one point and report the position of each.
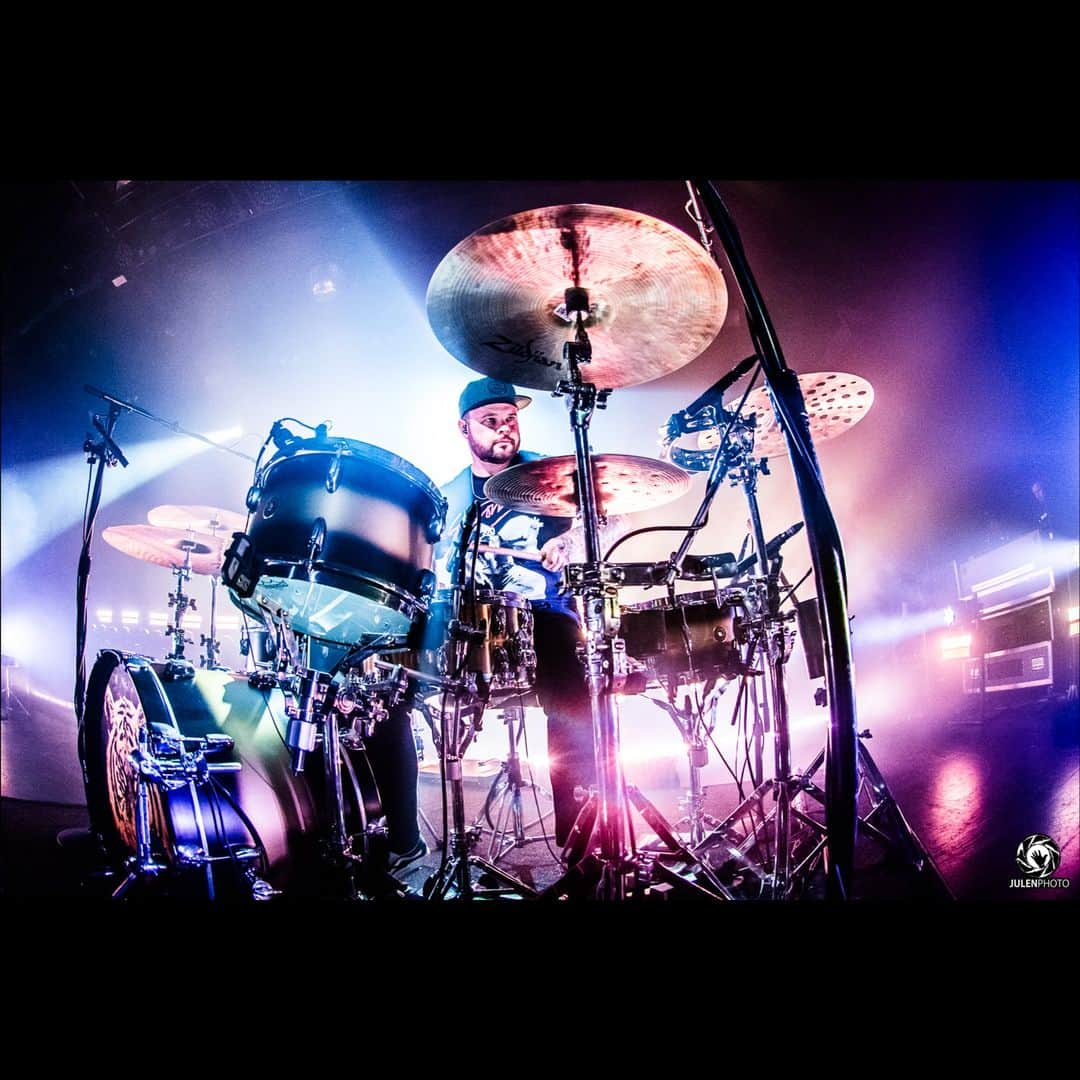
(624, 485)
(168, 547)
(203, 519)
(835, 402)
(656, 297)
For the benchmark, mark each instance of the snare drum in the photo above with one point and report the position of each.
(503, 659)
(345, 534)
(654, 634)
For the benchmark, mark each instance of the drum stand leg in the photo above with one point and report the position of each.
(454, 878)
(690, 720)
(503, 805)
(142, 865)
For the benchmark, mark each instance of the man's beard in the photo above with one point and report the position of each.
(499, 454)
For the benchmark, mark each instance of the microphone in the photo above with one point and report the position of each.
(725, 565)
(701, 567)
(281, 436)
(772, 548)
(681, 423)
(107, 397)
(780, 539)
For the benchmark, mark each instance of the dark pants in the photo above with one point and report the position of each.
(391, 749)
(564, 697)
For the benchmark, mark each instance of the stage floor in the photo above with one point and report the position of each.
(972, 786)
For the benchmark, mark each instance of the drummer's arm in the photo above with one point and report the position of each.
(569, 546)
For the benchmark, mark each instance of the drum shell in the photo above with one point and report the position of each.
(503, 660)
(653, 633)
(284, 812)
(374, 520)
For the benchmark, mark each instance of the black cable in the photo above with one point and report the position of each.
(248, 824)
(719, 753)
(536, 798)
(791, 591)
(719, 450)
(86, 501)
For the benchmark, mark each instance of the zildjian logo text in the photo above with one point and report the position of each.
(523, 352)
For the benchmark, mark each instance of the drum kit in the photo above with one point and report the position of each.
(211, 782)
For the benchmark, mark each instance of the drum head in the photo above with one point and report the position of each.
(335, 614)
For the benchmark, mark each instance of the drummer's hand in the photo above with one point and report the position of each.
(555, 554)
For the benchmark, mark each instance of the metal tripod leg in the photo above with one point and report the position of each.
(502, 807)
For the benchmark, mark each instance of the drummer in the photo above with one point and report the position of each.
(488, 422)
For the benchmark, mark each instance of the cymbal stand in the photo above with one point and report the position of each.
(209, 641)
(180, 602)
(503, 804)
(615, 872)
(692, 725)
(780, 834)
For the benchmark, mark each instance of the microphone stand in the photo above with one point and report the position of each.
(103, 453)
(172, 425)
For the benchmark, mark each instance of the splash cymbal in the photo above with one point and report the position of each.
(835, 402)
(168, 547)
(656, 297)
(202, 519)
(625, 484)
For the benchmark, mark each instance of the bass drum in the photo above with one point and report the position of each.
(239, 834)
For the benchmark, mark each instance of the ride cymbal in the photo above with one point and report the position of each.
(656, 297)
(624, 484)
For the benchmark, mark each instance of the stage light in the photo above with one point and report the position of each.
(191, 622)
(956, 647)
(22, 637)
(129, 617)
(104, 615)
(890, 629)
(325, 279)
(1074, 621)
(45, 499)
(158, 618)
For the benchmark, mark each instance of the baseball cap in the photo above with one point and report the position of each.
(487, 392)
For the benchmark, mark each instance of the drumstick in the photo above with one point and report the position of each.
(528, 556)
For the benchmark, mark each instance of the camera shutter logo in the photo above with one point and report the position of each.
(1038, 856)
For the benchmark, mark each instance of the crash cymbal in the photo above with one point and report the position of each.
(624, 485)
(203, 519)
(656, 297)
(168, 547)
(835, 402)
